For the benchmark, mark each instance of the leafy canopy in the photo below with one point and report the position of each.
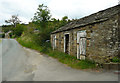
(42, 15)
(13, 20)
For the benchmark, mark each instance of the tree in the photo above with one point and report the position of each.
(13, 20)
(42, 16)
(41, 19)
(64, 21)
(18, 30)
(65, 18)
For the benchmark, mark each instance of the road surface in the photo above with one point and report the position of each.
(22, 64)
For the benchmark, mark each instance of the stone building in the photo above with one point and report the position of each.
(95, 36)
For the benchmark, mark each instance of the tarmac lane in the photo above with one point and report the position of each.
(14, 62)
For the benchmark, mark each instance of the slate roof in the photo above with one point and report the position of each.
(93, 18)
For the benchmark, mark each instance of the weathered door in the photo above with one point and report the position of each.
(54, 42)
(81, 44)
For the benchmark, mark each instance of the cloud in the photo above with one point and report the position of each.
(24, 8)
(78, 8)
(59, 8)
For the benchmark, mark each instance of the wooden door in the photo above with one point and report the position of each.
(82, 46)
(81, 43)
(54, 42)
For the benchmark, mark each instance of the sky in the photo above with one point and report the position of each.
(74, 9)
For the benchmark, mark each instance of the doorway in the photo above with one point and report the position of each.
(66, 43)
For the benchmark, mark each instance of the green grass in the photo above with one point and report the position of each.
(62, 57)
(72, 61)
(0, 40)
(29, 44)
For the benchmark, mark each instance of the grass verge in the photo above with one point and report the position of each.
(0, 40)
(62, 57)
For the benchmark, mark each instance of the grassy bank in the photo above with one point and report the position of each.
(62, 57)
(0, 40)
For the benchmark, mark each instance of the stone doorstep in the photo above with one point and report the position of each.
(111, 66)
(117, 72)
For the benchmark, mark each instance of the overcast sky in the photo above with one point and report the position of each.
(58, 8)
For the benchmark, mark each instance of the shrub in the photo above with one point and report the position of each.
(18, 30)
(116, 59)
(2, 35)
(10, 34)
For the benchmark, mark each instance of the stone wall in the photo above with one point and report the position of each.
(102, 40)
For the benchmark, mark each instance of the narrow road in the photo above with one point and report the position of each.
(22, 64)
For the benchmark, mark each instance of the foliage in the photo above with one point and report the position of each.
(10, 34)
(45, 26)
(13, 20)
(2, 35)
(116, 59)
(15, 27)
(6, 28)
(41, 20)
(42, 16)
(18, 30)
(64, 20)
